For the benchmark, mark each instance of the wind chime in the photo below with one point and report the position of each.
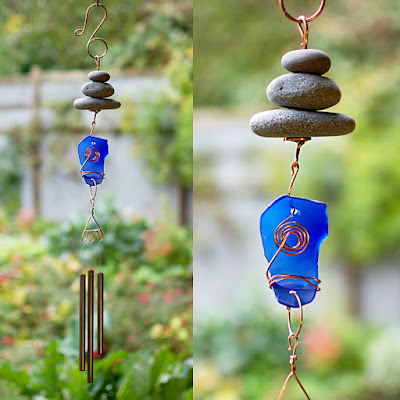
(92, 152)
(293, 228)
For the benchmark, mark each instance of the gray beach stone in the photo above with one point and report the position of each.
(91, 103)
(97, 89)
(99, 76)
(297, 123)
(310, 61)
(304, 91)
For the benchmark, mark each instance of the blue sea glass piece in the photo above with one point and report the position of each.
(304, 223)
(92, 153)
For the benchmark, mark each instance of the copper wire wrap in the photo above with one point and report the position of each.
(295, 166)
(82, 307)
(302, 21)
(90, 325)
(97, 232)
(80, 32)
(100, 313)
(293, 347)
(281, 235)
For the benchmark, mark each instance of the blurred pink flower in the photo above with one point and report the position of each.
(322, 346)
(144, 298)
(4, 280)
(25, 218)
(8, 340)
(132, 339)
(168, 297)
(97, 355)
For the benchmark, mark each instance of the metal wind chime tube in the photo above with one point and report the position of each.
(293, 228)
(92, 152)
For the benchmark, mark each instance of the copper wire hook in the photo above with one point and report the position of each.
(80, 32)
(293, 348)
(295, 164)
(309, 19)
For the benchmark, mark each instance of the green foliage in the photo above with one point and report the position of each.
(10, 177)
(164, 126)
(123, 238)
(246, 357)
(148, 286)
(139, 34)
(119, 376)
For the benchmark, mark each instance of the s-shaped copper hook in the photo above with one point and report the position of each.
(80, 32)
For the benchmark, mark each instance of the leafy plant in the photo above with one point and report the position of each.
(119, 376)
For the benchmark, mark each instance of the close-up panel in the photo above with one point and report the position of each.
(296, 220)
(96, 174)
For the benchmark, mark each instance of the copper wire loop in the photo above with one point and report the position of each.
(281, 235)
(293, 347)
(80, 32)
(295, 164)
(303, 31)
(309, 19)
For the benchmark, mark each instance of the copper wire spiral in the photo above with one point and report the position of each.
(285, 229)
(92, 155)
(281, 235)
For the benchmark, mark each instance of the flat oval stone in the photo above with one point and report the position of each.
(99, 76)
(297, 123)
(310, 61)
(91, 103)
(97, 89)
(305, 91)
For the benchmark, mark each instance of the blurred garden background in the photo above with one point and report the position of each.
(143, 206)
(348, 347)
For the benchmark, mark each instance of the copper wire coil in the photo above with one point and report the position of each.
(284, 230)
(92, 151)
(314, 282)
(281, 235)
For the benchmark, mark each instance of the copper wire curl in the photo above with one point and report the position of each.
(309, 19)
(81, 31)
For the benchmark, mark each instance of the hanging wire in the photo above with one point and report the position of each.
(293, 347)
(295, 164)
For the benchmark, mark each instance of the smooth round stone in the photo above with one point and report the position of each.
(99, 76)
(310, 61)
(91, 103)
(97, 89)
(297, 123)
(305, 91)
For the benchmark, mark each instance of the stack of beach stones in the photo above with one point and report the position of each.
(96, 92)
(303, 92)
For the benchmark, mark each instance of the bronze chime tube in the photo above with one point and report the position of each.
(90, 324)
(100, 312)
(82, 306)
